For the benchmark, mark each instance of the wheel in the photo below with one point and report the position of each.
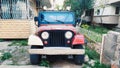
(35, 58)
(79, 59)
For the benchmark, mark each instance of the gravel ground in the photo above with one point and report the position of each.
(65, 64)
(27, 66)
(20, 57)
(4, 45)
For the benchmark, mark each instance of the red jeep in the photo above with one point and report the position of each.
(56, 35)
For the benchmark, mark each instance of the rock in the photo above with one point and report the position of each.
(4, 45)
(92, 62)
(86, 58)
(20, 55)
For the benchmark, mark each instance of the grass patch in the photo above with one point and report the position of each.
(97, 29)
(18, 43)
(92, 54)
(6, 56)
(93, 33)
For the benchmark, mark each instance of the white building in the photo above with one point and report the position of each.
(108, 11)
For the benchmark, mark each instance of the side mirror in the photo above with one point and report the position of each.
(35, 19)
(78, 20)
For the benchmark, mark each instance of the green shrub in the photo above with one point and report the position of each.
(18, 43)
(85, 26)
(92, 54)
(99, 65)
(44, 63)
(6, 56)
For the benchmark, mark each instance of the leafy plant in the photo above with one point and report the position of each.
(6, 56)
(18, 43)
(92, 54)
(100, 65)
(45, 63)
(85, 26)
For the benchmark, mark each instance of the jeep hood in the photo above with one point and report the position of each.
(56, 27)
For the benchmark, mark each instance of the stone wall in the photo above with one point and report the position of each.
(110, 52)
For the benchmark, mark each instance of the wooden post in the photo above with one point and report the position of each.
(101, 53)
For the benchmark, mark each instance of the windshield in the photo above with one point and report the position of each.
(57, 18)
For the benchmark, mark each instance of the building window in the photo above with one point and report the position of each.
(98, 12)
(13, 9)
(38, 4)
(117, 10)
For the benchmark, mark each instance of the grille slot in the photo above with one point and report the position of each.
(56, 38)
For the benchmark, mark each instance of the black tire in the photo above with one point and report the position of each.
(79, 59)
(35, 58)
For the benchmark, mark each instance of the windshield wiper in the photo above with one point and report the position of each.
(60, 21)
(47, 21)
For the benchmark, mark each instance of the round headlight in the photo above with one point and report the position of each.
(45, 35)
(68, 34)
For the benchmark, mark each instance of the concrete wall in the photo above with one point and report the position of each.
(110, 50)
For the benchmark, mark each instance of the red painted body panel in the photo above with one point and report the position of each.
(78, 39)
(57, 27)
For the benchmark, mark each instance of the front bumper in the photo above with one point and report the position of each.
(57, 51)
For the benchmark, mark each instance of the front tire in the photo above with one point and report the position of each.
(79, 59)
(35, 58)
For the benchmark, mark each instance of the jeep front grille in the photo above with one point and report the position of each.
(56, 38)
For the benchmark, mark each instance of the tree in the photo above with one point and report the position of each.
(102, 5)
(79, 6)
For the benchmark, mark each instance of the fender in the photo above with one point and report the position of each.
(78, 39)
(34, 40)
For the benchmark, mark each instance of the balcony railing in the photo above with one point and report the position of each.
(14, 9)
(107, 19)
